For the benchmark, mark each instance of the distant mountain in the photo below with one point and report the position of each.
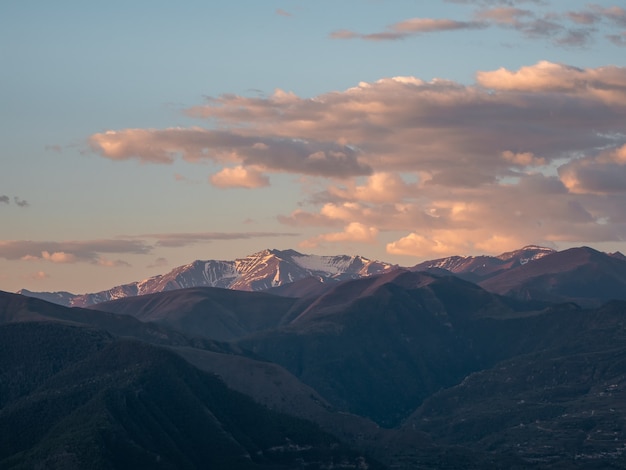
(582, 275)
(260, 271)
(524, 274)
(476, 268)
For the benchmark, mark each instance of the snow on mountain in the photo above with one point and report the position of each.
(477, 267)
(273, 268)
(259, 271)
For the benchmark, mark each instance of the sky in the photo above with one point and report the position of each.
(139, 136)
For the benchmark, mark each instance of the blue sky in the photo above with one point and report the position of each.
(139, 136)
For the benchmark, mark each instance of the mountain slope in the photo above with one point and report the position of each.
(260, 271)
(561, 403)
(219, 314)
(127, 404)
(378, 346)
(476, 268)
(582, 275)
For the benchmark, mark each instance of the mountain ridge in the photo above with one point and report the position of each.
(289, 273)
(259, 271)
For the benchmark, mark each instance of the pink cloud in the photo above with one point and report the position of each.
(37, 276)
(69, 251)
(269, 153)
(281, 12)
(521, 155)
(354, 232)
(239, 177)
(410, 27)
(58, 257)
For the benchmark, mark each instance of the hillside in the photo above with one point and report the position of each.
(124, 404)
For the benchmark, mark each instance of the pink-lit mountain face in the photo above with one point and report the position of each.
(475, 268)
(259, 271)
(532, 273)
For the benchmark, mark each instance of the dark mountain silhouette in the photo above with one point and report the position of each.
(127, 404)
(378, 346)
(560, 401)
(269, 384)
(582, 275)
(16, 308)
(47, 351)
(220, 314)
(457, 375)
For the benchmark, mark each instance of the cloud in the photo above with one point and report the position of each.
(614, 14)
(537, 23)
(354, 232)
(172, 240)
(523, 159)
(380, 187)
(618, 39)
(37, 276)
(54, 148)
(69, 251)
(20, 202)
(531, 155)
(4, 199)
(504, 15)
(603, 173)
(281, 12)
(269, 153)
(410, 27)
(58, 257)
(239, 177)
(108, 263)
(159, 263)
(496, 2)
(417, 245)
(603, 84)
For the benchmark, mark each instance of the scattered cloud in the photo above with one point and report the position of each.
(58, 257)
(21, 202)
(410, 27)
(526, 155)
(4, 199)
(185, 239)
(239, 177)
(54, 148)
(618, 39)
(603, 173)
(354, 232)
(281, 12)
(69, 251)
(269, 154)
(159, 263)
(184, 179)
(37, 276)
(108, 263)
(537, 23)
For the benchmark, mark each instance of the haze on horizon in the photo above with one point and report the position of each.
(141, 137)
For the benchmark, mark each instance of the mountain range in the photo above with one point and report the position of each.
(588, 276)
(509, 362)
(259, 271)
